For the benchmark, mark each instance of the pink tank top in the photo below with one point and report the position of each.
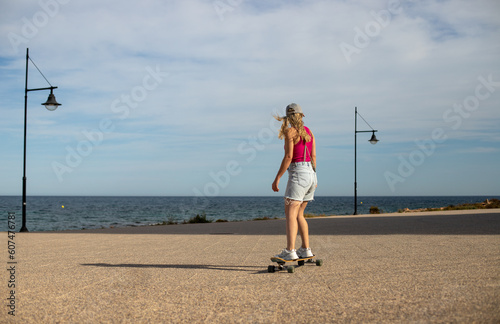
(298, 150)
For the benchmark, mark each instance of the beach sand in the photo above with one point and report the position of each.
(422, 267)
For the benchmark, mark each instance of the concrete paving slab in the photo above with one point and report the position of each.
(394, 268)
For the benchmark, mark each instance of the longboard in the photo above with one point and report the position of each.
(291, 268)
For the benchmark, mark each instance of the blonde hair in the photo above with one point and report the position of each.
(295, 121)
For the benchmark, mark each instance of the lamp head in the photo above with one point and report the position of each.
(51, 104)
(373, 140)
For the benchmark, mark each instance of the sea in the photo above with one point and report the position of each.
(59, 213)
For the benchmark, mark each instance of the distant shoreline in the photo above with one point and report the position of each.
(487, 204)
(274, 225)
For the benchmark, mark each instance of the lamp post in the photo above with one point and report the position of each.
(51, 104)
(373, 140)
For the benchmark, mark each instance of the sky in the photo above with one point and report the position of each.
(176, 98)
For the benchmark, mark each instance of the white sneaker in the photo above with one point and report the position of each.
(287, 255)
(304, 253)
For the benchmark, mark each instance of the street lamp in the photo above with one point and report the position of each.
(373, 140)
(51, 104)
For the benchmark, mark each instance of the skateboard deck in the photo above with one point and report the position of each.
(291, 268)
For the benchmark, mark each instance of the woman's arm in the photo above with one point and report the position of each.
(313, 151)
(287, 159)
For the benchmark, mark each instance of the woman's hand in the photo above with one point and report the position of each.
(275, 185)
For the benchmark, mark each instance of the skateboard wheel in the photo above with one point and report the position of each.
(291, 269)
(301, 263)
(319, 262)
(271, 268)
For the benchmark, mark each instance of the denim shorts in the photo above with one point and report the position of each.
(302, 182)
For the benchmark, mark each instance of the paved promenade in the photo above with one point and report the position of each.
(441, 267)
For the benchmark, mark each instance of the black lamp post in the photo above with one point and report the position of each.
(373, 140)
(51, 104)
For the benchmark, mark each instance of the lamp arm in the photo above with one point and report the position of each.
(48, 88)
(370, 131)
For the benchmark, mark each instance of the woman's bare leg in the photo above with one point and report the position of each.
(291, 211)
(302, 224)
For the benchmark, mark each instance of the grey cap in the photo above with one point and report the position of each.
(293, 108)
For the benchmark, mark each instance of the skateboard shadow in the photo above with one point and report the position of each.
(179, 266)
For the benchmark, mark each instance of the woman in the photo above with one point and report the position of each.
(300, 160)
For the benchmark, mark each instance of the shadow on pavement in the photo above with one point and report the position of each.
(179, 266)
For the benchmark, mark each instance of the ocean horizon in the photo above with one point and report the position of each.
(57, 213)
